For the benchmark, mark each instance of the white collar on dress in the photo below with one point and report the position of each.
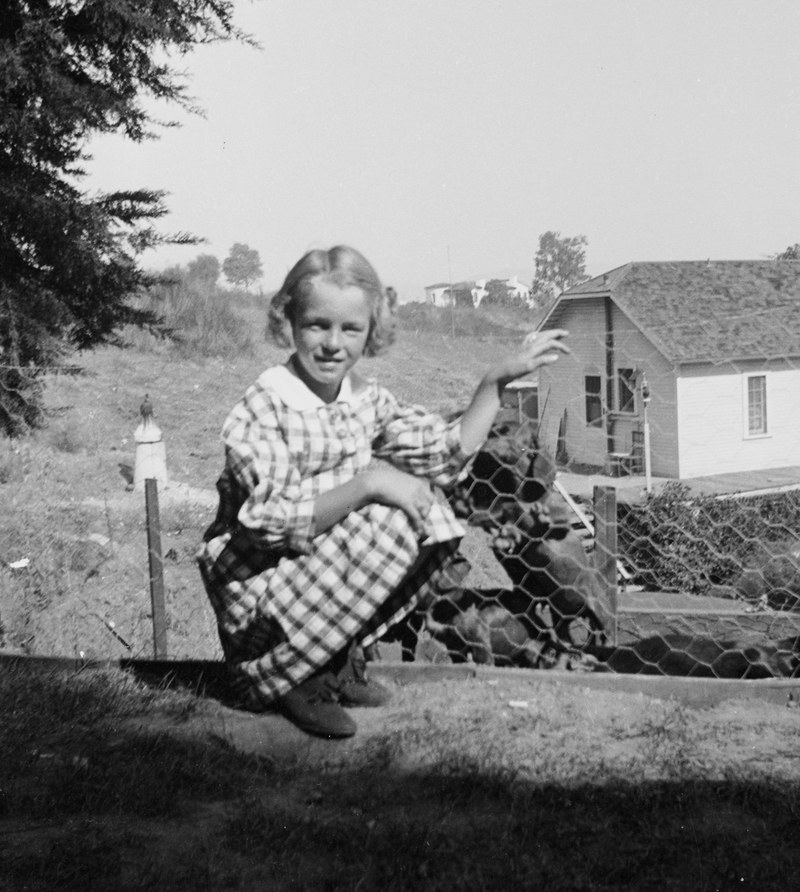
(296, 395)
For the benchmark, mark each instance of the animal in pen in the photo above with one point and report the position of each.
(699, 656)
(493, 627)
(508, 492)
(499, 627)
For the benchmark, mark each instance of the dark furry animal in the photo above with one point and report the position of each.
(498, 627)
(509, 492)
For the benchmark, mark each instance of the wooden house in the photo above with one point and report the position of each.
(706, 353)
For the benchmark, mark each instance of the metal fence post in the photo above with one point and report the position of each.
(605, 521)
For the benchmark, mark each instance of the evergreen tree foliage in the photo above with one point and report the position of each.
(69, 261)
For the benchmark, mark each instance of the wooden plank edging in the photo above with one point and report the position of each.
(697, 692)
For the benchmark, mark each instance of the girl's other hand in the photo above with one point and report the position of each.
(539, 348)
(411, 494)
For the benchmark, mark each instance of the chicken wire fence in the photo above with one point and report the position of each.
(697, 575)
(595, 553)
(669, 584)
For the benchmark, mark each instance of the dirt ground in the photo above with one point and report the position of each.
(762, 726)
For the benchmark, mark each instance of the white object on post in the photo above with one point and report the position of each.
(645, 402)
(151, 456)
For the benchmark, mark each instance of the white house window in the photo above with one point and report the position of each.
(755, 405)
(594, 403)
(626, 390)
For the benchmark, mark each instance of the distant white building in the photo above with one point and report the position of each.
(438, 295)
(520, 290)
(478, 292)
(444, 294)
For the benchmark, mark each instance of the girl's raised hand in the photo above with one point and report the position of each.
(539, 348)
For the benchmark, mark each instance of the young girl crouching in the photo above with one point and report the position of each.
(314, 550)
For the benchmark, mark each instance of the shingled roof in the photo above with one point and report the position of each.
(707, 310)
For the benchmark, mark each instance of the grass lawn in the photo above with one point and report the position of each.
(475, 784)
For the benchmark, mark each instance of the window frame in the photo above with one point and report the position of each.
(587, 395)
(630, 384)
(747, 406)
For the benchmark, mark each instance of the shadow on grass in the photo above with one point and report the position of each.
(392, 831)
(206, 678)
(90, 800)
(467, 830)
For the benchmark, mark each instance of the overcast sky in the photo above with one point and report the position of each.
(442, 137)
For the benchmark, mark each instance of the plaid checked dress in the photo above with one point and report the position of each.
(286, 599)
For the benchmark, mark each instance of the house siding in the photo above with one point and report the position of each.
(562, 387)
(712, 432)
(633, 350)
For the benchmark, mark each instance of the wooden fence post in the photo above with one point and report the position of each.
(605, 523)
(156, 564)
(150, 467)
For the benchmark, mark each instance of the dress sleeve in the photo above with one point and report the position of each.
(275, 514)
(419, 442)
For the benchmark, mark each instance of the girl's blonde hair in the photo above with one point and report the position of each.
(341, 266)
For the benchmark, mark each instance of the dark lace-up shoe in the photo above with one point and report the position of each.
(355, 686)
(314, 707)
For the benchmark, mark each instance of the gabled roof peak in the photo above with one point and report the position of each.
(706, 310)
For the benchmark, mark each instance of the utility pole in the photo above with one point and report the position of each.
(452, 295)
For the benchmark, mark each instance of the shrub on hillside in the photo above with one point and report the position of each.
(680, 542)
(201, 318)
(461, 322)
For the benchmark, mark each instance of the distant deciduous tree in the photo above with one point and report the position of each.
(205, 268)
(560, 264)
(498, 294)
(791, 253)
(242, 266)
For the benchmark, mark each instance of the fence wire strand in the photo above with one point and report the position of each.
(669, 581)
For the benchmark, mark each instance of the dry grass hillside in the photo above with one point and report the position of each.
(70, 511)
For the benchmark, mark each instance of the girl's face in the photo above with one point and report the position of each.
(330, 328)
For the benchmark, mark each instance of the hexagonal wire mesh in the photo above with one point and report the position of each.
(636, 515)
(644, 515)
